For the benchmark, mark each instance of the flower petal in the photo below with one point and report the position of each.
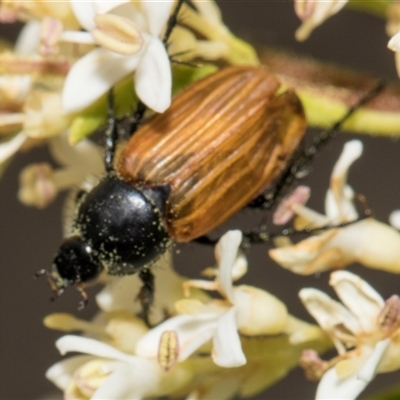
(394, 219)
(80, 344)
(62, 372)
(333, 387)
(226, 253)
(153, 81)
(119, 293)
(394, 43)
(157, 14)
(192, 331)
(93, 75)
(84, 12)
(258, 312)
(28, 39)
(127, 382)
(368, 370)
(344, 210)
(328, 312)
(85, 155)
(227, 351)
(315, 15)
(9, 148)
(359, 297)
(311, 255)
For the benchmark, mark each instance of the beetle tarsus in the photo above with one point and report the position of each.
(146, 294)
(84, 302)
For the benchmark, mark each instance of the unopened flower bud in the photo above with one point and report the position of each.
(37, 187)
(314, 367)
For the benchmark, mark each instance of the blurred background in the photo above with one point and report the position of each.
(29, 237)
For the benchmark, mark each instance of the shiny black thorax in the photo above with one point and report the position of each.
(117, 228)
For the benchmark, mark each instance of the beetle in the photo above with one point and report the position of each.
(223, 140)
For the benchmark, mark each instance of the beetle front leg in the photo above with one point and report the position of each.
(146, 294)
(111, 134)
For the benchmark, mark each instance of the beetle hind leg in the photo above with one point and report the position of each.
(301, 160)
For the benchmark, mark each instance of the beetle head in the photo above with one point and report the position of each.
(74, 263)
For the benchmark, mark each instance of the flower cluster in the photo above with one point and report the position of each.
(365, 330)
(202, 347)
(349, 239)
(314, 13)
(68, 57)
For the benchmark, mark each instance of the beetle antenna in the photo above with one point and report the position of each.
(303, 157)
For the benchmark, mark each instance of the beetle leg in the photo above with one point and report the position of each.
(111, 134)
(84, 302)
(205, 240)
(141, 108)
(260, 235)
(301, 160)
(173, 20)
(146, 294)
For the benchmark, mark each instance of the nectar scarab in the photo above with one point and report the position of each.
(224, 139)
(222, 142)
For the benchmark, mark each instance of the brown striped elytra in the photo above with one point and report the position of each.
(223, 140)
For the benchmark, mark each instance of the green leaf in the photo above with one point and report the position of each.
(184, 75)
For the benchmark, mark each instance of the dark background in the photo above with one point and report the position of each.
(28, 237)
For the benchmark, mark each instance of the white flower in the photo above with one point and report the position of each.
(111, 25)
(118, 293)
(124, 359)
(40, 118)
(365, 331)
(314, 13)
(367, 241)
(244, 309)
(108, 373)
(208, 37)
(39, 183)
